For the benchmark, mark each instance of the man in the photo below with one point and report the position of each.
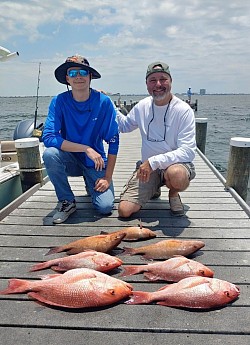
(167, 127)
(189, 94)
(78, 122)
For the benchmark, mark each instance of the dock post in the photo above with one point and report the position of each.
(201, 133)
(239, 165)
(29, 161)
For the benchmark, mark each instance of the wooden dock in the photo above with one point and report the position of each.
(212, 215)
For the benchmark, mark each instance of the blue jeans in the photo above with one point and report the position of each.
(60, 164)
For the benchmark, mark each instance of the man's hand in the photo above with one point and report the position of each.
(144, 171)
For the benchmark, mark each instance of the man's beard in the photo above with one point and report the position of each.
(159, 97)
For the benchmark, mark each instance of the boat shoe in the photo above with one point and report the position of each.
(176, 206)
(156, 195)
(66, 209)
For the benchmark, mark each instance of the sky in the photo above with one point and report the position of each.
(206, 43)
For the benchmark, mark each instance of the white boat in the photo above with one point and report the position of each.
(10, 182)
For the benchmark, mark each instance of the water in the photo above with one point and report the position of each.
(228, 116)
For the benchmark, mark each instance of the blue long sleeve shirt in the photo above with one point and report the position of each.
(90, 123)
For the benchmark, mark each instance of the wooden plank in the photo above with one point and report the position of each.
(79, 231)
(34, 336)
(209, 258)
(127, 317)
(105, 223)
(223, 244)
(235, 274)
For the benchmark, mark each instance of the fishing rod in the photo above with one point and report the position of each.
(28, 128)
(37, 132)
(37, 92)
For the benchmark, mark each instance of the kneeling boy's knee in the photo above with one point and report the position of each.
(105, 209)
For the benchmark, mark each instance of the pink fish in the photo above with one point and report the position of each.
(192, 292)
(90, 259)
(76, 288)
(173, 269)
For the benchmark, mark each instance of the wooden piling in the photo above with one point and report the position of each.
(201, 133)
(29, 161)
(239, 165)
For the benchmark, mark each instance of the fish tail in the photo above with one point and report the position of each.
(55, 250)
(128, 251)
(40, 266)
(16, 286)
(139, 297)
(130, 270)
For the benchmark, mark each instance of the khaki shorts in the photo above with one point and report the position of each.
(141, 192)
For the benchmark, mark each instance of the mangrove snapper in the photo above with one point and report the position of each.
(171, 270)
(100, 243)
(76, 288)
(135, 233)
(166, 249)
(192, 292)
(90, 259)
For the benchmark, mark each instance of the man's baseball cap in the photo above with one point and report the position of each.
(158, 66)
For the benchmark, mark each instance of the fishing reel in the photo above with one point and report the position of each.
(25, 129)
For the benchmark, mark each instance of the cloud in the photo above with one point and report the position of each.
(205, 43)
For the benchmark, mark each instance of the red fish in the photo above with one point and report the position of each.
(173, 269)
(192, 292)
(76, 288)
(90, 259)
(135, 233)
(166, 249)
(100, 243)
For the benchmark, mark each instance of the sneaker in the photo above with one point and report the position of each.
(157, 194)
(66, 209)
(176, 206)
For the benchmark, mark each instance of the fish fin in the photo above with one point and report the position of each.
(58, 268)
(163, 303)
(38, 267)
(165, 287)
(49, 276)
(16, 286)
(151, 276)
(55, 250)
(104, 233)
(128, 251)
(146, 257)
(139, 297)
(130, 270)
(130, 239)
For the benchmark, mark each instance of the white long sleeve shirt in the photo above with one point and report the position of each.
(167, 132)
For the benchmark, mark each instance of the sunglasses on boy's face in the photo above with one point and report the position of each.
(74, 73)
